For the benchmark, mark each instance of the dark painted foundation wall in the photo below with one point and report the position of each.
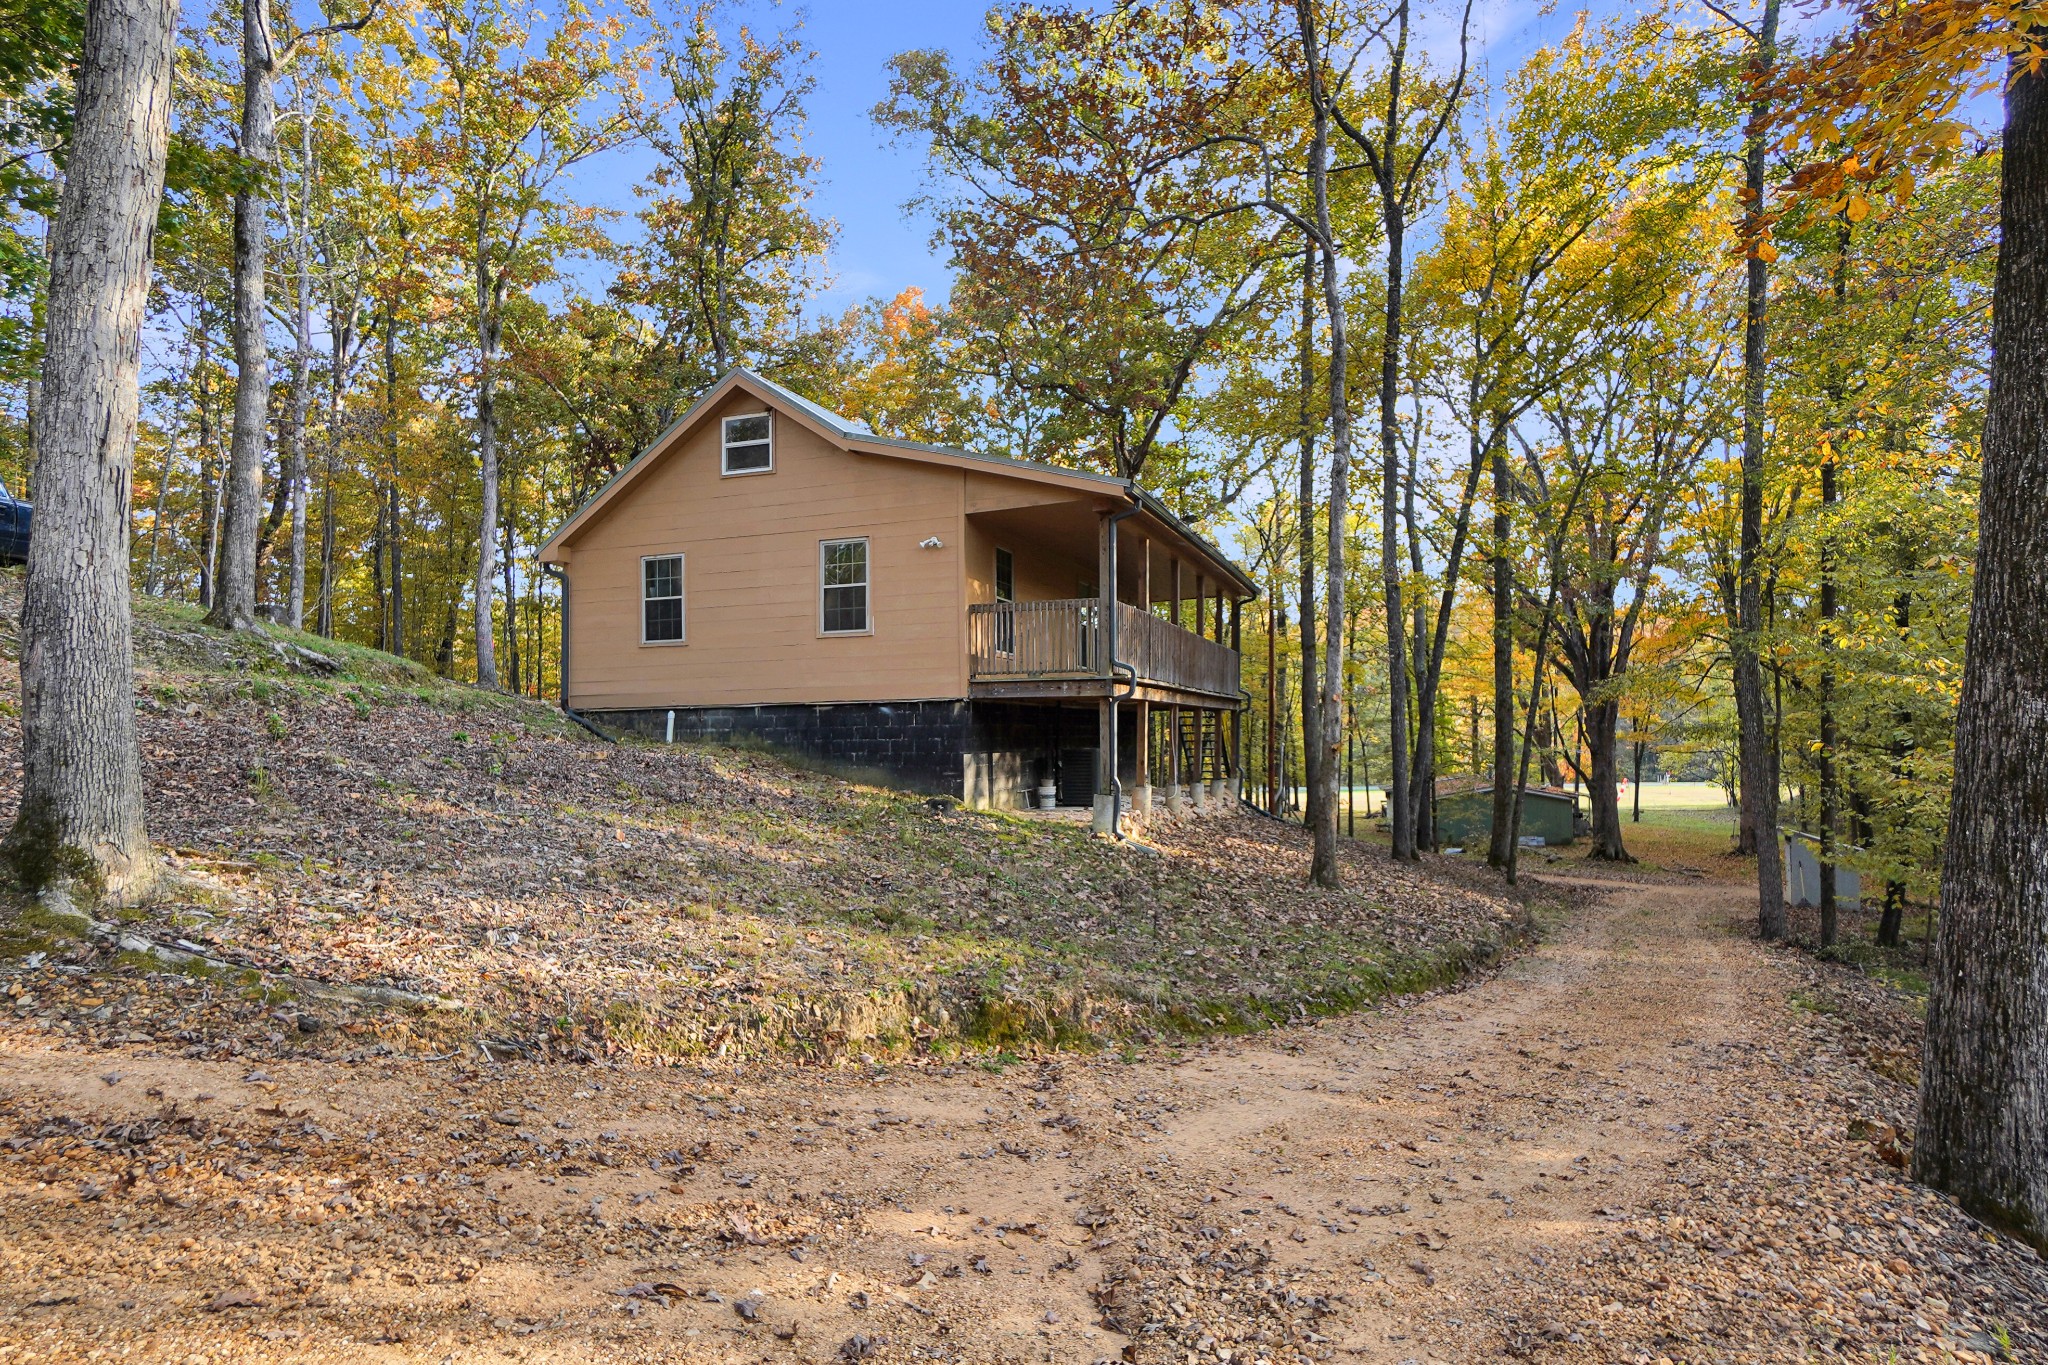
(920, 745)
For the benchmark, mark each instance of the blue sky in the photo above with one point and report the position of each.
(881, 250)
(866, 181)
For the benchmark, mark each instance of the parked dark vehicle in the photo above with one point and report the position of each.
(15, 516)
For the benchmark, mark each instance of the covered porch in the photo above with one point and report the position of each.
(1125, 611)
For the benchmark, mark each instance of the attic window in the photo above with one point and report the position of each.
(749, 444)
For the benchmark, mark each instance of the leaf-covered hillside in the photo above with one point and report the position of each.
(336, 816)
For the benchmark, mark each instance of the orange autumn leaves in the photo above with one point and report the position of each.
(1876, 108)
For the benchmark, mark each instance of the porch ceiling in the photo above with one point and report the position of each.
(1068, 530)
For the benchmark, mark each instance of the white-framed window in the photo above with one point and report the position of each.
(843, 587)
(749, 444)
(661, 600)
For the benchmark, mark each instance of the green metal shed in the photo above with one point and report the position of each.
(1464, 814)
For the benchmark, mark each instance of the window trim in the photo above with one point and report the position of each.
(726, 443)
(681, 599)
(866, 585)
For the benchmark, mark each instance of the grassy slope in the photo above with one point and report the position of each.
(381, 826)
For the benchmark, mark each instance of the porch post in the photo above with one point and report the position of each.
(1105, 587)
(1173, 614)
(1198, 780)
(1219, 778)
(1237, 712)
(1105, 570)
(1173, 791)
(1141, 792)
(1225, 760)
(1144, 573)
(1105, 767)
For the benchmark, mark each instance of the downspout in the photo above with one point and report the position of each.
(1116, 666)
(554, 571)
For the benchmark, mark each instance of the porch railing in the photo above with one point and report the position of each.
(1057, 639)
(1163, 652)
(1064, 639)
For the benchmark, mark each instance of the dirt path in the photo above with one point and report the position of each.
(1521, 1168)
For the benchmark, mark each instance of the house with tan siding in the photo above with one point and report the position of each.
(953, 622)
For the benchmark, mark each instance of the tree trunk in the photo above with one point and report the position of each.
(487, 330)
(396, 533)
(302, 369)
(1983, 1105)
(266, 531)
(1550, 752)
(1401, 794)
(341, 333)
(444, 648)
(323, 613)
(1541, 653)
(1759, 777)
(1430, 646)
(1595, 647)
(1497, 844)
(1830, 779)
(1284, 801)
(1529, 746)
(1893, 921)
(1601, 720)
(1305, 502)
(511, 548)
(80, 821)
(234, 601)
(1328, 740)
(209, 470)
(380, 638)
(1274, 695)
(393, 539)
(1830, 776)
(1422, 738)
(152, 577)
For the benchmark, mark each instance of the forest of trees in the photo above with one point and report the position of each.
(1537, 339)
(1634, 402)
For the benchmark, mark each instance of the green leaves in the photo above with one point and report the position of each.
(1083, 186)
(732, 250)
